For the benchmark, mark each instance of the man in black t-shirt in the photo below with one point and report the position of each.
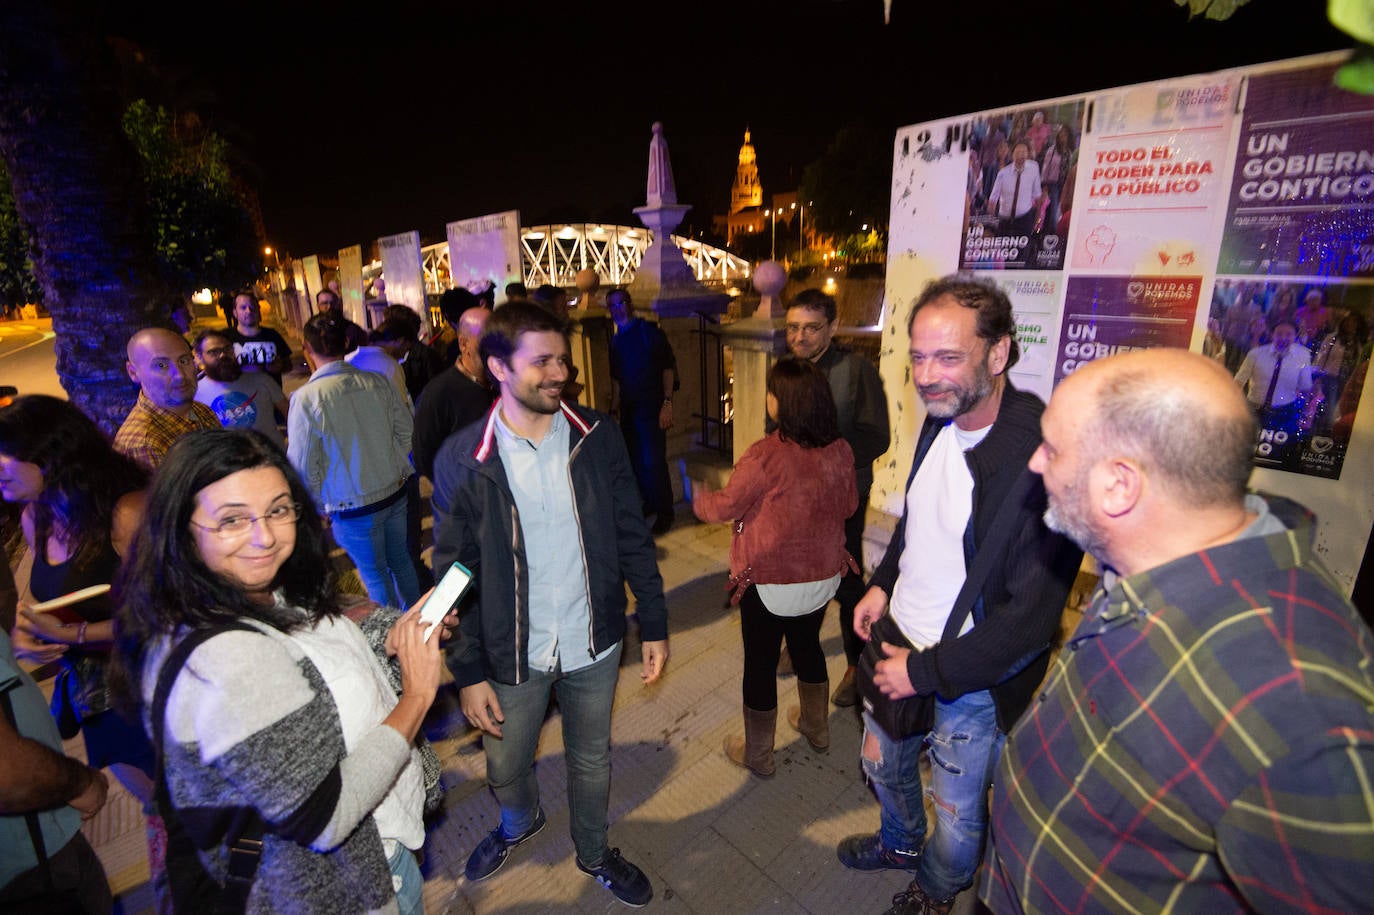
(257, 348)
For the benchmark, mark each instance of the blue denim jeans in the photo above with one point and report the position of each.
(964, 746)
(407, 881)
(377, 545)
(584, 705)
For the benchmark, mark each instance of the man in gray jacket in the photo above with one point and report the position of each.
(348, 435)
(540, 503)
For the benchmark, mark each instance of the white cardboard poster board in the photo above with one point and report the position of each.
(403, 266)
(485, 249)
(314, 281)
(351, 284)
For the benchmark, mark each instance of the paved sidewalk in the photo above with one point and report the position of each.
(711, 837)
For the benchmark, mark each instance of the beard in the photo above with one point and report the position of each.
(540, 400)
(225, 371)
(1068, 515)
(964, 399)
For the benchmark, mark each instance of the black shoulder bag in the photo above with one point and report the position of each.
(901, 718)
(31, 818)
(193, 889)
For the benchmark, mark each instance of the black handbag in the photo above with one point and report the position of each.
(897, 717)
(78, 692)
(900, 718)
(63, 704)
(193, 889)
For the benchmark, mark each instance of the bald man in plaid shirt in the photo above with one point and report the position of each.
(1205, 742)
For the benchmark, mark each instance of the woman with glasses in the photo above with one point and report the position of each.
(295, 719)
(789, 496)
(77, 503)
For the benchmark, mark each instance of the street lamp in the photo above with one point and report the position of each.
(774, 214)
(272, 253)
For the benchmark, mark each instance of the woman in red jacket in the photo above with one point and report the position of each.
(788, 496)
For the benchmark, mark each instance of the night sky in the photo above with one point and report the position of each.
(412, 115)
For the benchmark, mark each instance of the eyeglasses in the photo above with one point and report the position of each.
(238, 525)
(809, 330)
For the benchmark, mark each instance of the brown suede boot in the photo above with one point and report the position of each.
(754, 751)
(812, 717)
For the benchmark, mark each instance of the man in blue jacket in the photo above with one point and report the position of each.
(540, 503)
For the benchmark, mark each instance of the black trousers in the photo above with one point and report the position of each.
(763, 634)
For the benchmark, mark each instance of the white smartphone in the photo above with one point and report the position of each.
(450, 588)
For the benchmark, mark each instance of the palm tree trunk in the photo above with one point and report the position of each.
(77, 190)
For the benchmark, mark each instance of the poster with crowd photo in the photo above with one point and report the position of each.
(1302, 192)
(1114, 314)
(1013, 215)
(1151, 174)
(1322, 331)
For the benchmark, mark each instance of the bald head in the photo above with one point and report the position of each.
(1179, 414)
(470, 327)
(161, 362)
(473, 321)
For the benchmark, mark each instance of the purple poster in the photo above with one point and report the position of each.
(1301, 194)
(1113, 314)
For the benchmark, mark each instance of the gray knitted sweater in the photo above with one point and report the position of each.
(251, 722)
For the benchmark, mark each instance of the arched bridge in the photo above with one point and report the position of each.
(555, 253)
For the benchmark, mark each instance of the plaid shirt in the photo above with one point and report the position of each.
(149, 430)
(1204, 743)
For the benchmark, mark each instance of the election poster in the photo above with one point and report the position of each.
(1302, 191)
(1019, 164)
(1151, 176)
(1035, 305)
(1300, 350)
(1115, 314)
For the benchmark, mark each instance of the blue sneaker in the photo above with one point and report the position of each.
(492, 852)
(622, 878)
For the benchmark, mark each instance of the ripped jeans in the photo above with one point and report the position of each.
(964, 746)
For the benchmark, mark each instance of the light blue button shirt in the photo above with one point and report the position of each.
(560, 617)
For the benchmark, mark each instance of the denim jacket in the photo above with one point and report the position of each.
(348, 435)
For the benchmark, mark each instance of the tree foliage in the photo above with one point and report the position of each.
(17, 283)
(851, 184)
(203, 234)
(201, 228)
(1211, 9)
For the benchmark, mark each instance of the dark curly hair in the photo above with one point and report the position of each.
(164, 583)
(995, 318)
(83, 476)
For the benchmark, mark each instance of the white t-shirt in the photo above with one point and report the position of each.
(931, 570)
(338, 648)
